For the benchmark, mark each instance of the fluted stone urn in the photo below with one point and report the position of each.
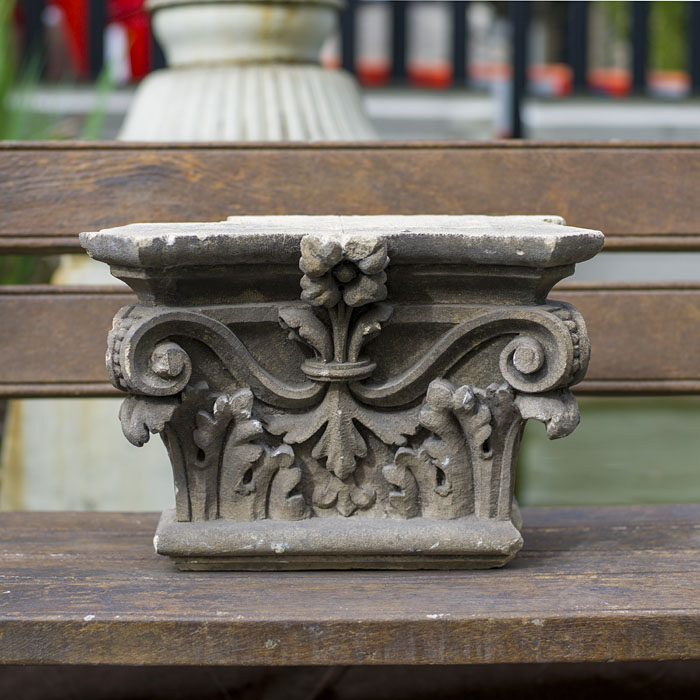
(344, 392)
(246, 70)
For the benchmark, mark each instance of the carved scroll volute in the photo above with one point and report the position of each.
(140, 357)
(554, 354)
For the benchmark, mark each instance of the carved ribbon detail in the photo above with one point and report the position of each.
(446, 451)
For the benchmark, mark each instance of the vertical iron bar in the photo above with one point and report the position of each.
(694, 46)
(398, 40)
(640, 44)
(459, 42)
(97, 20)
(157, 55)
(33, 39)
(519, 15)
(578, 43)
(347, 36)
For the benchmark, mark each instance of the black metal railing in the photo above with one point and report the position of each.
(575, 29)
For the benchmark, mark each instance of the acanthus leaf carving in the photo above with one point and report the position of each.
(558, 410)
(305, 327)
(404, 473)
(142, 415)
(233, 409)
(261, 488)
(341, 443)
(445, 464)
(367, 326)
(283, 502)
(345, 495)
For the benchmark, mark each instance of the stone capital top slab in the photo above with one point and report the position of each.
(524, 241)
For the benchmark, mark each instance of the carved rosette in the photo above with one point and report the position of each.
(247, 444)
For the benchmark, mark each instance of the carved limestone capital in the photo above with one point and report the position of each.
(363, 381)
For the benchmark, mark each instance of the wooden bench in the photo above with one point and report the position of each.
(594, 584)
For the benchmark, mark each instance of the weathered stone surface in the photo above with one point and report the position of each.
(345, 392)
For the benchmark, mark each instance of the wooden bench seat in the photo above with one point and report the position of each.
(592, 584)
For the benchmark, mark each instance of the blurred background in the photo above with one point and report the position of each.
(591, 70)
(69, 69)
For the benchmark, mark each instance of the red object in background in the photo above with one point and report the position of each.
(75, 22)
(436, 75)
(129, 13)
(372, 73)
(552, 79)
(136, 22)
(614, 82)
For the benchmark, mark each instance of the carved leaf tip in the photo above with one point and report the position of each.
(142, 415)
(558, 410)
(346, 495)
(367, 326)
(305, 327)
(211, 427)
(341, 444)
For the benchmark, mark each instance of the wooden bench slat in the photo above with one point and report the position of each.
(87, 588)
(53, 339)
(643, 196)
(645, 340)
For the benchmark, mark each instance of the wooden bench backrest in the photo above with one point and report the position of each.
(646, 338)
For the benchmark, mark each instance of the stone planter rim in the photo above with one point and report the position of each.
(520, 241)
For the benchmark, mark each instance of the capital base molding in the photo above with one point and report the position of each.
(344, 392)
(338, 543)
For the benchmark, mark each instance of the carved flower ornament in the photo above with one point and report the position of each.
(352, 271)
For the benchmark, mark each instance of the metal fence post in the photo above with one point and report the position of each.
(694, 46)
(519, 15)
(33, 39)
(577, 43)
(347, 36)
(459, 42)
(640, 44)
(398, 40)
(97, 19)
